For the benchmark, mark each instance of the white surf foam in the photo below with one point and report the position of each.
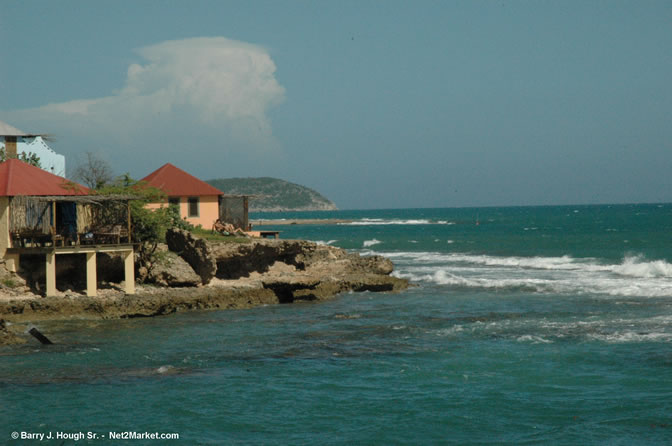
(368, 243)
(637, 267)
(380, 221)
(534, 339)
(631, 336)
(322, 242)
(634, 276)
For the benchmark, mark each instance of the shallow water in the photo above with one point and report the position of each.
(555, 335)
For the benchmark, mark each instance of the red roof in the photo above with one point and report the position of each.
(176, 182)
(19, 178)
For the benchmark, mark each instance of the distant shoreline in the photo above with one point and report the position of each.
(299, 221)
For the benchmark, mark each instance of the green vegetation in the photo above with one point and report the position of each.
(274, 194)
(148, 226)
(208, 234)
(29, 157)
(9, 283)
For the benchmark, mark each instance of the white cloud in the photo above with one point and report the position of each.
(217, 87)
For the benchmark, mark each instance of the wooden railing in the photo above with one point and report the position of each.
(103, 235)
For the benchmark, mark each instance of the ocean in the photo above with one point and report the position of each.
(525, 325)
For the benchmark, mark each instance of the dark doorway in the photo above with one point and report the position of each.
(66, 219)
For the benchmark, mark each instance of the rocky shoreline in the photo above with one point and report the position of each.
(197, 275)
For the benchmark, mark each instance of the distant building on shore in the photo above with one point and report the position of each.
(15, 142)
(197, 200)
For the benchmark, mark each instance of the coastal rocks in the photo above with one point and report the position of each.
(173, 271)
(236, 260)
(371, 264)
(7, 336)
(239, 275)
(292, 269)
(194, 250)
(301, 270)
(148, 302)
(11, 283)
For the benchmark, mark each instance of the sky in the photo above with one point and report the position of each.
(374, 103)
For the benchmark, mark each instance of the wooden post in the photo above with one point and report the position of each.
(51, 273)
(39, 336)
(91, 276)
(53, 217)
(129, 272)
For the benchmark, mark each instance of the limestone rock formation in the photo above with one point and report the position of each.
(311, 271)
(173, 271)
(194, 250)
(292, 269)
(8, 337)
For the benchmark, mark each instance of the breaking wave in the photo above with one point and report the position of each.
(540, 330)
(368, 243)
(322, 242)
(380, 221)
(633, 276)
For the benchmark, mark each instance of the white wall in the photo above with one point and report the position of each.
(50, 161)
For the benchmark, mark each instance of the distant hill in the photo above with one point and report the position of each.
(278, 195)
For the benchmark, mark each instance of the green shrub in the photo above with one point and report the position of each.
(217, 237)
(9, 282)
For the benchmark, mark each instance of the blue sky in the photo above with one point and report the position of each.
(376, 104)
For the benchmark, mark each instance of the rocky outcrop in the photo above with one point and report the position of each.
(236, 260)
(302, 270)
(148, 302)
(194, 250)
(239, 275)
(9, 337)
(173, 271)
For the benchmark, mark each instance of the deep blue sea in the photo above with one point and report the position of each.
(527, 325)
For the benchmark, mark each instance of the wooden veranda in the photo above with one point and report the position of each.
(58, 225)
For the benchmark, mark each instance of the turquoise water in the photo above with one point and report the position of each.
(538, 325)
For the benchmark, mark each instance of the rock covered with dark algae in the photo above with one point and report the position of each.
(232, 276)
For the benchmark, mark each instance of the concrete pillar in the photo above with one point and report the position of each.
(129, 270)
(12, 262)
(91, 277)
(51, 273)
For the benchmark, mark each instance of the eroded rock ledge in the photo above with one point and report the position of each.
(215, 275)
(292, 269)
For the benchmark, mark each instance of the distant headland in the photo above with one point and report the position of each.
(275, 195)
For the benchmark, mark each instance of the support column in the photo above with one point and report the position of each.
(51, 273)
(12, 262)
(91, 277)
(129, 272)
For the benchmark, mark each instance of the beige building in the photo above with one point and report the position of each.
(197, 200)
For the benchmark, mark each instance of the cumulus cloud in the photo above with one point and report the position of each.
(198, 86)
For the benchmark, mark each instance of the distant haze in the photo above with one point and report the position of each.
(375, 104)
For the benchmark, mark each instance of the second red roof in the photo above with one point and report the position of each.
(174, 181)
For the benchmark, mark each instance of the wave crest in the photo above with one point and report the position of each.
(636, 266)
(633, 276)
(380, 221)
(368, 243)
